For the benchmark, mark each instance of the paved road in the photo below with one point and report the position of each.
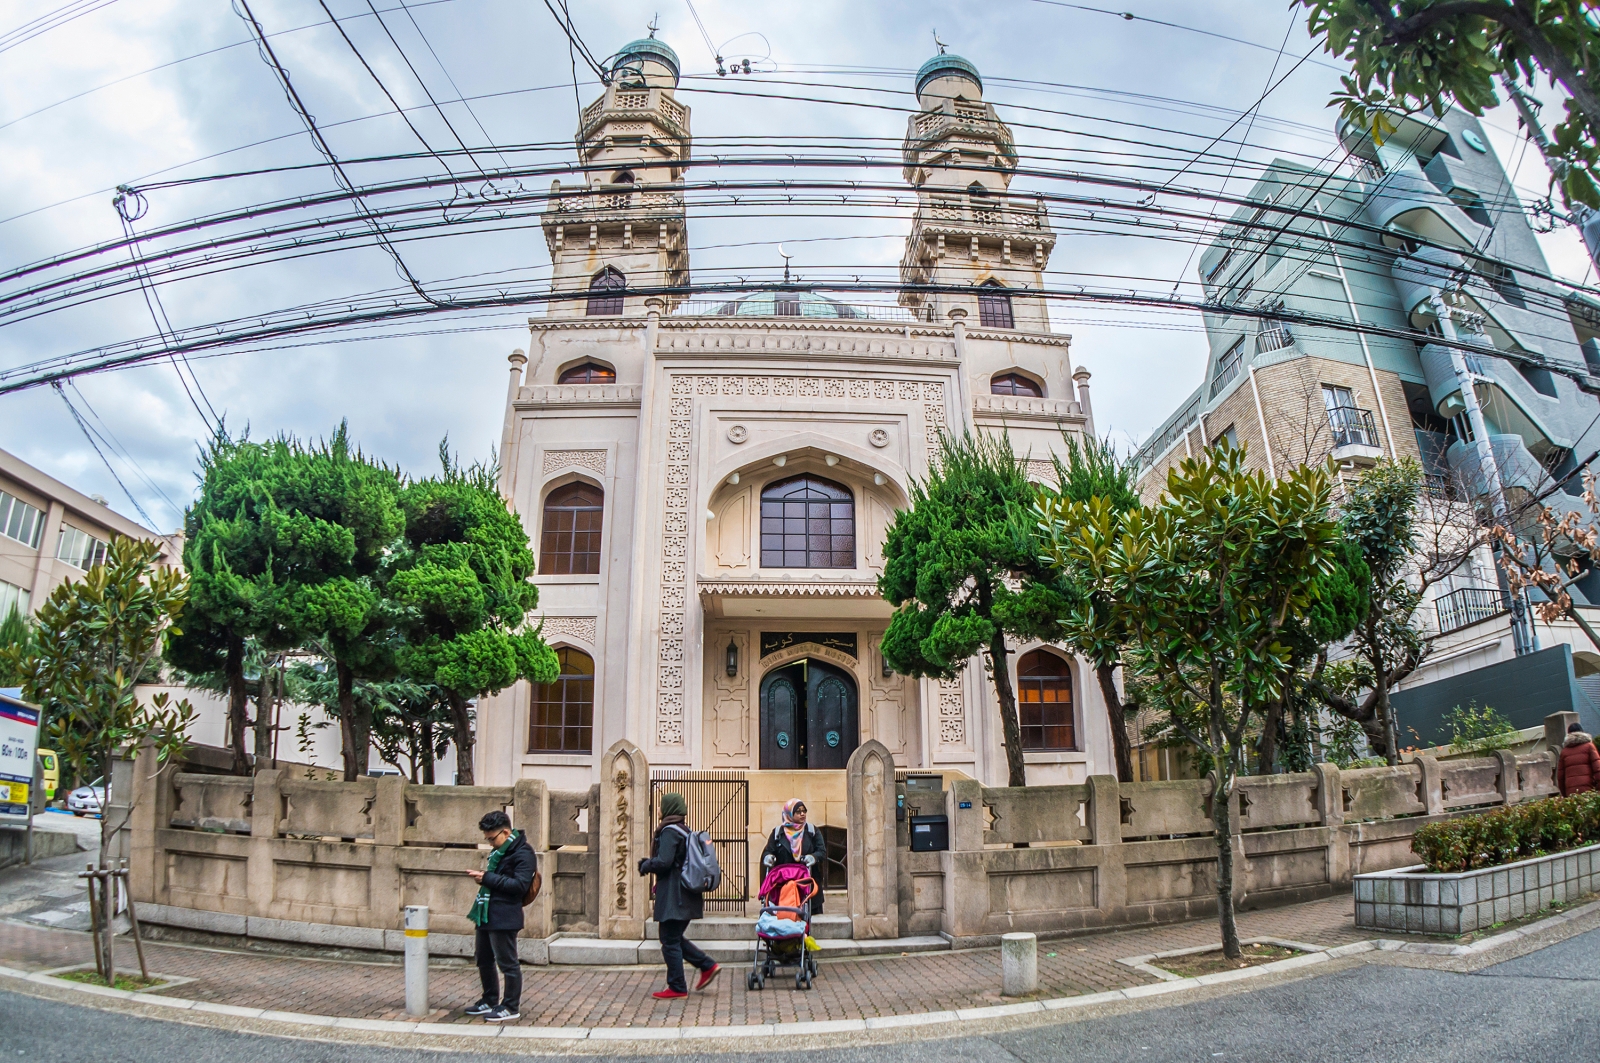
(1536, 1009)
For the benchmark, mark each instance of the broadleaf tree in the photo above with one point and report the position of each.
(963, 571)
(1206, 581)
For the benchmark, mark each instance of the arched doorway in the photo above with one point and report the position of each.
(809, 717)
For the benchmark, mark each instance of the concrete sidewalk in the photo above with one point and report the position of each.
(619, 997)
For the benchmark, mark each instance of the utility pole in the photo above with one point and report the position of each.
(1582, 217)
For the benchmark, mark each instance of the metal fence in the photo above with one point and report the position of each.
(719, 803)
(1352, 427)
(1467, 606)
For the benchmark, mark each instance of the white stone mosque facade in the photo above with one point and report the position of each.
(708, 484)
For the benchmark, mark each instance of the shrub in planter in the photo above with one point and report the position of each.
(1518, 832)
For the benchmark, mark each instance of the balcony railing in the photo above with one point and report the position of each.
(1467, 606)
(1273, 339)
(1352, 427)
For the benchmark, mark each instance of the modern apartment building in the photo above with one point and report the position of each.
(1423, 235)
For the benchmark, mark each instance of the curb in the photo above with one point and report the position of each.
(835, 1026)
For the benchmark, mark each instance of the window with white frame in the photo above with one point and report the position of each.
(79, 549)
(13, 597)
(20, 521)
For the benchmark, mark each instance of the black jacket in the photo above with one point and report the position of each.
(673, 899)
(811, 844)
(508, 884)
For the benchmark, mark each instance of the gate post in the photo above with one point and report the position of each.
(624, 830)
(874, 864)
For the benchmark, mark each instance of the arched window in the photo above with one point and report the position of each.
(588, 373)
(625, 177)
(605, 293)
(977, 190)
(561, 718)
(994, 306)
(569, 544)
(1014, 384)
(1044, 701)
(808, 522)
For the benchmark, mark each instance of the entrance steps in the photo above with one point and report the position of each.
(731, 939)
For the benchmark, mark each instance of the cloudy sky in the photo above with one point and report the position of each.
(144, 91)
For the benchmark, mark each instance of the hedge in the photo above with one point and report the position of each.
(1518, 832)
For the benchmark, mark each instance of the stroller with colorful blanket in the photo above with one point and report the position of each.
(783, 929)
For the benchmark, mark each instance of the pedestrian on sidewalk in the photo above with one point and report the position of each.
(794, 841)
(676, 906)
(497, 913)
(1578, 770)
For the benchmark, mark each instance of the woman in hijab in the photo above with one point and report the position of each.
(675, 904)
(794, 841)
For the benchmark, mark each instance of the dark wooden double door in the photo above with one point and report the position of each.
(809, 717)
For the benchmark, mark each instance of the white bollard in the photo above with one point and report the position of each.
(1019, 964)
(417, 959)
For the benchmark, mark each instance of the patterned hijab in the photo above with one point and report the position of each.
(795, 832)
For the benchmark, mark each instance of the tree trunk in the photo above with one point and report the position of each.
(266, 713)
(1016, 767)
(233, 666)
(462, 723)
(1267, 747)
(355, 726)
(427, 752)
(1116, 716)
(1222, 819)
(1391, 731)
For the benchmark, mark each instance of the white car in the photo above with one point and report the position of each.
(87, 800)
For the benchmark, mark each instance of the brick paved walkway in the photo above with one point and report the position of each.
(620, 996)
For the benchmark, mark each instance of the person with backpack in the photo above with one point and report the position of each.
(1578, 768)
(676, 905)
(504, 887)
(794, 841)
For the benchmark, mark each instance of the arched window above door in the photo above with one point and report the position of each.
(994, 305)
(569, 537)
(588, 373)
(1015, 384)
(605, 293)
(808, 522)
(1044, 702)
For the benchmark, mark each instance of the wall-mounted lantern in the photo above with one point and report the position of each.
(733, 658)
(887, 670)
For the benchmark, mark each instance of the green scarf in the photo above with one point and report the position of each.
(480, 904)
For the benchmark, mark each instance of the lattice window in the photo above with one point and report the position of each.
(994, 306)
(1014, 384)
(588, 373)
(1044, 701)
(605, 293)
(561, 717)
(808, 522)
(569, 543)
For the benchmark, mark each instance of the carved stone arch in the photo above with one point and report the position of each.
(758, 459)
(801, 650)
(873, 863)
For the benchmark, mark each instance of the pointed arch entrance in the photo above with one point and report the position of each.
(810, 717)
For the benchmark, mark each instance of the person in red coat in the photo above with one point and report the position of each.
(1578, 770)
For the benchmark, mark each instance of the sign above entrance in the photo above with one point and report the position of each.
(777, 641)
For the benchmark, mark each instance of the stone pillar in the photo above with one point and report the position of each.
(1019, 964)
(386, 894)
(1510, 784)
(624, 830)
(151, 812)
(1555, 730)
(874, 861)
(1081, 378)
(531, 815)
(508, 472)
(1105, 826)
(966, 886)
(1330, 812)
(1432, 784)
(266, 809)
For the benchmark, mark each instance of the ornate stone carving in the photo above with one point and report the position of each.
(738, 434)
(580, 628)
(623, 874)
(593, 460)
(952, 710)
(878, 437)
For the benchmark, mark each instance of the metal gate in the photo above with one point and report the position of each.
(719, 802)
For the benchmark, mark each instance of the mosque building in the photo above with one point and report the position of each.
(707, 484)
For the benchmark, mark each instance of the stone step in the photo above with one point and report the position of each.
(580, 951)
(743, 928)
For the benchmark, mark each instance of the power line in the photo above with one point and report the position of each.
(89, 435)
(49, 21)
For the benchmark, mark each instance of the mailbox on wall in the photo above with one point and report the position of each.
(930, 834)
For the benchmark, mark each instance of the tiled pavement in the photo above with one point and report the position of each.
(620, 996)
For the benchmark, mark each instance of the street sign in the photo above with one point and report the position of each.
(19, 739)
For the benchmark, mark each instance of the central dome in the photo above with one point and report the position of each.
(648, 48)
(786, 304)
(947, 66)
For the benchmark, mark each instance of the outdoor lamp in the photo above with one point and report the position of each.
(887, 671)
(733, 658)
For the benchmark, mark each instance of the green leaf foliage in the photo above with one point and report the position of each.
(1519, 832)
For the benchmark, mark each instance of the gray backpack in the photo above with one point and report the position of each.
(700, 872)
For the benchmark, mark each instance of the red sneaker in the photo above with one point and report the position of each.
(669, 994)
(707, 977)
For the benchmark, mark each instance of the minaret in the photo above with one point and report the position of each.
(624, 229)
(968, 230)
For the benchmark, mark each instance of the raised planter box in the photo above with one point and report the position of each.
(1412, 900)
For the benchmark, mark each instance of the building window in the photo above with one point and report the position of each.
(13, 597)
(623, 177)
(20, 521)
(808, 522)
(569, 544)
(1044, 701)
(1014, 384)
(588, 373)
(994, 306)
(605, 293)
(1228, 366)
(1230, 436)
(561, 718)
(79, 548)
